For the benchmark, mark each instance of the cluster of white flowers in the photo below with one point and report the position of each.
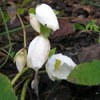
(39, 47)
(44, 15)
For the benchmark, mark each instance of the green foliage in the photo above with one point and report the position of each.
(45, 31)
(6, 91)
(78, 27)
(57, 64)
(12, 54)
(9, 39)
(6, 18)
(90, 26)
(25, 2)
(56, 12)
(52, 52)
(99, 38)
(31, 10)
(21, 11)
(86, 73)
(90, 2)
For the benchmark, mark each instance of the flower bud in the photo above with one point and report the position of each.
(38, 52)
(64, 68)
(46, 16)
(34, 22)
(20, 59)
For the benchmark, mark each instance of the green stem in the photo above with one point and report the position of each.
(24, 89)
(42, 72)
(9, 39)
(19, 83)
(97, 5)
(24, 32)
(16, 29)
(18, 75)
(6, 52)
(25, 85)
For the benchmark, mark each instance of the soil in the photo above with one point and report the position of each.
(69, 44)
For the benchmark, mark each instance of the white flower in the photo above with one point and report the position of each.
(20, 59)
(64, 68)
(38, 52)
(34, 22)
(46, 16)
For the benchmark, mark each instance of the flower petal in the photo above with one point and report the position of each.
(38, 52)
(64, 69)
(20, 59)
(46, 16)
(34, 22)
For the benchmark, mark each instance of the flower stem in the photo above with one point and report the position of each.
(29, 76)
(18, 75)
(36, 83)
(42, 72)
(24, 32)
(24, 89)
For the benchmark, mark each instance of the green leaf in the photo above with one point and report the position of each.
(25, 2)
(86, 73)
(52, 52)
(99, 40)
(57, 64)
(92, 26)
(93, 21)
(87, 27)
(45, 30)
(6, 18)
(56, 12)
(31, 10)
(12, 54)
(96, 28)
(78, 27)
(6, 90)
(20, 11)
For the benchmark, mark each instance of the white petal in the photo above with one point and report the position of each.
(20, 59)
(20, 63)
(38, 52)
(63, 71)
(46, 16)
(50, 73)
(34, 22)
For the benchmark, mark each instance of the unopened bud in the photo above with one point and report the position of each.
(38, 52)
(20, 59)
(46, 16)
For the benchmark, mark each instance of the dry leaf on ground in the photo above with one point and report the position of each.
(89, 53)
